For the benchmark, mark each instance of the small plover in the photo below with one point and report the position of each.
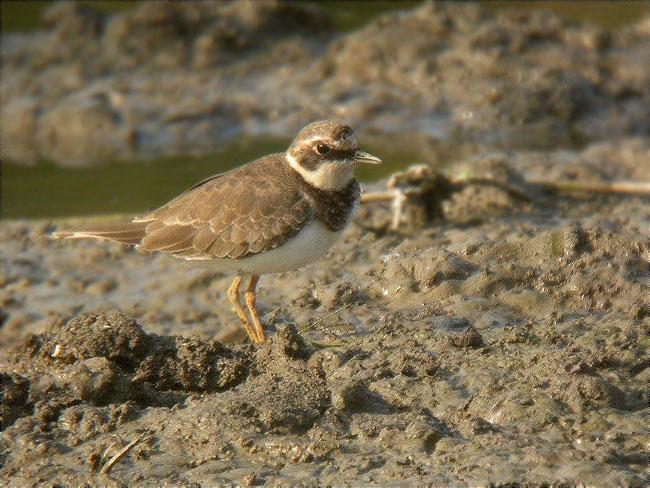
(275, 214)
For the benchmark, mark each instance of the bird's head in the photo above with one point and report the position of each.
(325, 154)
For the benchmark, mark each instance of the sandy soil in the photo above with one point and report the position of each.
(505, 343)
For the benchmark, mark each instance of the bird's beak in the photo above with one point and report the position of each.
(364, 157)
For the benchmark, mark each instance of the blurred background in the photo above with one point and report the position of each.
(115, 107)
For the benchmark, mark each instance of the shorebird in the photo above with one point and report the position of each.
(277, 213)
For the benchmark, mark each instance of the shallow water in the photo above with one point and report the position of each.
(47, 190)
(22, 16)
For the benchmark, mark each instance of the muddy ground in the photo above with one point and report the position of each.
(505, 338)
(505, 343)
(185, 78)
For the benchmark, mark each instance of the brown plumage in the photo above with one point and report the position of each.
(232, 215)
(277, 213)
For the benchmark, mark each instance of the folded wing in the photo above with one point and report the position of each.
(235, 215)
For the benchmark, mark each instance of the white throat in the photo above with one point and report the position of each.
(330, 175)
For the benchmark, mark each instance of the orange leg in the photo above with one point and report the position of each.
(233, 295)
(250, 303)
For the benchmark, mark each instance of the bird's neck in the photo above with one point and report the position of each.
(332, 208)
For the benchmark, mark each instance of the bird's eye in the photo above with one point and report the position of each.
(322, 149)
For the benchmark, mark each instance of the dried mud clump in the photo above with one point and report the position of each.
(192, 365)
(107, 358)
(469, 338)
(98, 372)
(112, 336)
(14, 391)
(284, 393)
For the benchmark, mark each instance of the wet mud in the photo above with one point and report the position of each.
(505, 341)
(499, 334)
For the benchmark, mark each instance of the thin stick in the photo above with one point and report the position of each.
(106, 469)
(379, 196)
(620, 187)
(311, 326)
(323, 345)
(626, 187)
(397, 196)
(108, 449)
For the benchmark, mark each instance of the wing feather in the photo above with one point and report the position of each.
(233, 215)
(166, 237)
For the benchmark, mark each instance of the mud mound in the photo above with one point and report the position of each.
(13, 399)
(107, 358)
(112, 373)
(170, 35)
(150, 81)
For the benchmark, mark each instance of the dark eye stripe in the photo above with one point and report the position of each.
(334, 153)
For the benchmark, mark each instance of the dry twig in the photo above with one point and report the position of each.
(311, 326)
(106, 469)
(620, 187)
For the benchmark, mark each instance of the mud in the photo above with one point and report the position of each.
(436, 78)
(506, 342)
(499, 334)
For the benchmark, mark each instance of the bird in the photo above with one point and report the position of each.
(278, 213)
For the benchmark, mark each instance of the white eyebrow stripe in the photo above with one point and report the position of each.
(313, 139)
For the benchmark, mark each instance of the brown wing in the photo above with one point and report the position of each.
(234, 215)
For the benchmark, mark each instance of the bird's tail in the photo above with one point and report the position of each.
(124, 232)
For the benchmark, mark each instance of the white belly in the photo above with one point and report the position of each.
(311, 244)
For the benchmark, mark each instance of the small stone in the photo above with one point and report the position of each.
(470, 338)
(249, 479)
(421, 435)
(93, 461)
(351, 397)
(480, 426)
